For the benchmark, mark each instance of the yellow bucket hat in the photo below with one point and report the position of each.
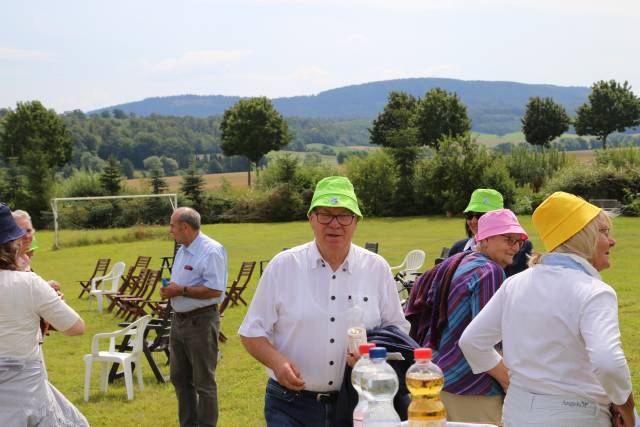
(561, 216)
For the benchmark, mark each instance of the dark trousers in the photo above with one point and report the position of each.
(286, 408)
(194, 356)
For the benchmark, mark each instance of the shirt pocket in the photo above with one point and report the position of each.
(368, 302)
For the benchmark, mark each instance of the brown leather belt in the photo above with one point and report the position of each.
(197, 311)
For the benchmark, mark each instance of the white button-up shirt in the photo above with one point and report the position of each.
(301, 306)
(203, 262)
(559, 332)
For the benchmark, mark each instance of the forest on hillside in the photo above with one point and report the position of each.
(177, 140)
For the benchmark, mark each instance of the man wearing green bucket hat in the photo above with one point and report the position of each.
(306, 300)
(485, 200)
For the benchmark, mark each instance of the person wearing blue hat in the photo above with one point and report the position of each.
(297, 322)
(26, 396)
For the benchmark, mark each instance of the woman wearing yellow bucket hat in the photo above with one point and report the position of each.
(558, 323)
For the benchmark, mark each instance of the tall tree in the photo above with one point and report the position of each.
(252, 128)
(543, 121)
(39, 141)
(394, 129)
(441, 114)
(111, 177)
(156, 180)
(611, 107)
(192, 185)
(397, 115)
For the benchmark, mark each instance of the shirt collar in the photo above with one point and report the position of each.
(194, 245)
(570, 261)
(316, 260)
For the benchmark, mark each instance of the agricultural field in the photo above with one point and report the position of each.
(241, 380)
(212, 181)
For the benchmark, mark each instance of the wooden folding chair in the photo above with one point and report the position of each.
(371, 246)
(134, 289)
(130, 279)
(135, 306)
(100, 270)
(235, 290)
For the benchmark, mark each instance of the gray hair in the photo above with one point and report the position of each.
(190, 216)
(21, 214)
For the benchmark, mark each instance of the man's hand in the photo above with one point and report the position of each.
(171, 290)
(352, 359)
(289, 376)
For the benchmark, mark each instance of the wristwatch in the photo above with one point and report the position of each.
(184, 291)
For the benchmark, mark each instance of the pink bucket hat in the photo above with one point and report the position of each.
(501, 221)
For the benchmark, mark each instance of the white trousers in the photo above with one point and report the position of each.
(27, 399)
(524, 409)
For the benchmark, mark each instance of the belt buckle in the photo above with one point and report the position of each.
(320, 397)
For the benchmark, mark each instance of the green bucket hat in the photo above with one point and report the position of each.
(485, 200)
(335, 192)
(34, 244)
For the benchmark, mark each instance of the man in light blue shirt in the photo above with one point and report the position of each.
(198, 282)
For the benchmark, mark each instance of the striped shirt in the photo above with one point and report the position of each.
(473, 283)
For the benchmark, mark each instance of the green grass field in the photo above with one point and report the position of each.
(241, 380)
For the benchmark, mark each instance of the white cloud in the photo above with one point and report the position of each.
(355, 40)
(574, 7)
(312, 73)
(22, 54)
(202, 59)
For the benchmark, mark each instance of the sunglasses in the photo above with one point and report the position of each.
(470, 215)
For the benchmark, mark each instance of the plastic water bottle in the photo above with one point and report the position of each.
(357, 374)
(380, 385)
(425, 381)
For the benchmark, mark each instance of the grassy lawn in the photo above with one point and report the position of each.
(241, 380)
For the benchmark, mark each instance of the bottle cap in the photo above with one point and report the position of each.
(422, 353)
(364, 348)
(378, 353)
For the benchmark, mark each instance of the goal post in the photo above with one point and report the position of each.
(173, 199)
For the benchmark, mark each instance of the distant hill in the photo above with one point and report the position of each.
(494, 107)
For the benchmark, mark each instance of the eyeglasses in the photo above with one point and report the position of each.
(326, 218)
(471, 215)
(511, 241)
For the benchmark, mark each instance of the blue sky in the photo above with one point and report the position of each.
(89, 54)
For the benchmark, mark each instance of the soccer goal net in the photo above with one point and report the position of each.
(100, 212)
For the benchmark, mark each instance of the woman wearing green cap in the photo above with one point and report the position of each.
(298, 319)
(558, 324)
(485, 200)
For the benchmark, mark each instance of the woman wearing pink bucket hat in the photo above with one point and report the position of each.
(446, 298)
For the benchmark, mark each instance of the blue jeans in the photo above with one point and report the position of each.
(287, 408)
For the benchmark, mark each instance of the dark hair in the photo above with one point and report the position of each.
(9, 255)
(467, 229)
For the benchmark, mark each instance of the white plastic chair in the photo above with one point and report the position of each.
(114, 275)
(112, 356)
(412, 261)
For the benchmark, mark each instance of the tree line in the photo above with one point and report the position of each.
(36, 144)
